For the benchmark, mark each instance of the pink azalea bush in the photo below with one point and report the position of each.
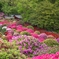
(9, 36)
(48, 56)
(31, 46)
(20, 28)
(12, 25)
(30, 30)
(43, 35)
(57, 39)
(34, 35)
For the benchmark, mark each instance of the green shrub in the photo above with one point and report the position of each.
(24, 33)
(51, 42)
(43, 13)
(37, 32)
(54, 49)
(11, 54)
(30, 27)
(21, 22)
(0, 6)
(10, 51)
(2, 30)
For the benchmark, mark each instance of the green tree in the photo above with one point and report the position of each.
(52, 1)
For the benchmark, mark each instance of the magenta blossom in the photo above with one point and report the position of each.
(34, 35)
(48, 56)
(30, 30)
(9, 36)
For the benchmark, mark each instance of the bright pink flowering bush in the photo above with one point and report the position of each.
(48, 56)
(34, 35)
(9, 36)
(12, 25)
(20, 28)
(42, 35)
(31, 46)
(30, 30)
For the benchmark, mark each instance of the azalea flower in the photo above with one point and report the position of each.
(43, 35)
(9, 36)
(30, 30)
(34, 35)
(47, 56)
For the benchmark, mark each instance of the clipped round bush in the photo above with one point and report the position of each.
(24, 33)
(21, 22)
(51, 42)
(37, 32)
(34, 35)
(30, 30)
(57, 39)
(51, 36)
(30, 27)
(42, 35)
(54, 49)
(11, 54)
(10, 51)
(31, 46)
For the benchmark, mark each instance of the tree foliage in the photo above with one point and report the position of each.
(40, 13)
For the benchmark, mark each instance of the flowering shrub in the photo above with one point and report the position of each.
(30, 30)
(57, 39)
(9, 36)
(31, 46)
(20, 28)
(48, 56)
(42, 35)
(12, 25)
(34, 35)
